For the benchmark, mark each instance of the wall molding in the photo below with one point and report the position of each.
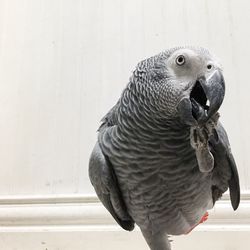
(85, 212)
(74, 198)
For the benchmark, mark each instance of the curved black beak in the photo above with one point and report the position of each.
(214, 88)
(207, 96)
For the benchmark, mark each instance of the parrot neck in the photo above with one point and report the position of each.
(139, 118)
(140, 122)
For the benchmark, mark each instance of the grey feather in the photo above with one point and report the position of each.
(227, 174)
(104, 180)
(162, 158)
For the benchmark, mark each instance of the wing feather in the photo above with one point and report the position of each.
(225, 172)
(104, 180)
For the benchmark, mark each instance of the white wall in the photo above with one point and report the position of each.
(64, 63)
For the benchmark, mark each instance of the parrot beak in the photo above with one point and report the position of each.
(207, 96)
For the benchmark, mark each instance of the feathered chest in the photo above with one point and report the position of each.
(157, 172)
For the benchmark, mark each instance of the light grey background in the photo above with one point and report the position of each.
(64, 63)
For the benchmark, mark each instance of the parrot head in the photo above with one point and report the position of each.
(186, 82)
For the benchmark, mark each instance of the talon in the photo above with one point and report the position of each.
(215, 135)
(205, 160)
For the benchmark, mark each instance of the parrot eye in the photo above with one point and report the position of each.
(180, 60)
(209, 66)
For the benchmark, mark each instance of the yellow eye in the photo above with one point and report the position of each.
(180, 60)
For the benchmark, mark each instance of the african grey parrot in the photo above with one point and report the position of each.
(162, 158)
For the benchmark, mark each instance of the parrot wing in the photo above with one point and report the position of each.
(225, 173)
(104, 180)
(110, 119)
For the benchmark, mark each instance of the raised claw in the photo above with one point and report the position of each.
(199, 137)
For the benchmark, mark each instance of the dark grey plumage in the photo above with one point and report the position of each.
(162, 159)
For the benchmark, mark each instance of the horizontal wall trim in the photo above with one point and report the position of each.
(87, 213)
(74, 198)
(113, 228)
(47, 199)
(96, 214)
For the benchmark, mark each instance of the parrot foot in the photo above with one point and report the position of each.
(199, 141)
(203, 219)
(199, 137)
(205, 160)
